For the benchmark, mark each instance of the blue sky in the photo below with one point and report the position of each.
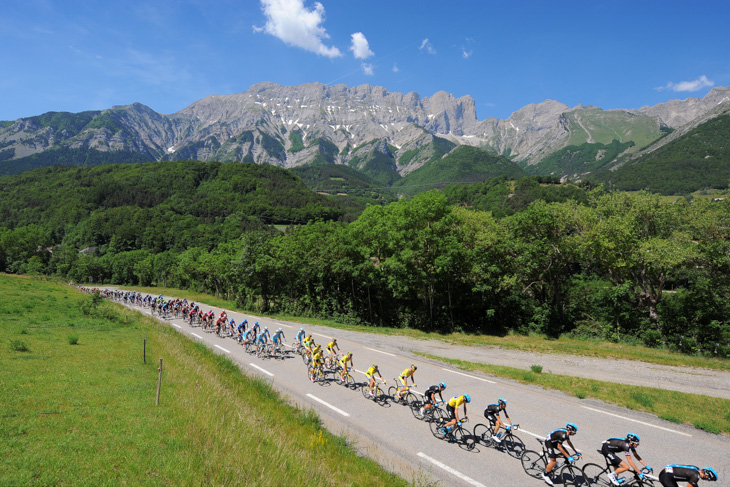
(75, 55)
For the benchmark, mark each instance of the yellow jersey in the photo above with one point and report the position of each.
(457, 401)
(371, 371)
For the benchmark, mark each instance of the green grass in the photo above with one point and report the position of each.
(86, 415)
(711, 414)
(532, 343)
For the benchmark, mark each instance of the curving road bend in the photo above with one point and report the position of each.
(392, 436)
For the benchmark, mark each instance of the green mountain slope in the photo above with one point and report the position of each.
(157, 206)
(700, 159)
(463, 165)
(580, 159)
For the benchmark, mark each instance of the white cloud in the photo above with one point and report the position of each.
(696, 85)
(395, 68)
(466, 54)
(367, 68)
(296, 25)
(426, 45)
(360, 47)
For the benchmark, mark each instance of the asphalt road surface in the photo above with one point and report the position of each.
(391, 435)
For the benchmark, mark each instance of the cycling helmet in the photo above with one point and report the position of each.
(502, 402)
(375, 367)
(443, 385)
(301, 329)
(572, 428)
(334, 340)
(633, 438)
(467, 398)
(413, 366)
(709, 473)
(256, 323)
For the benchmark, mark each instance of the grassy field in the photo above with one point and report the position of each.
(711, 414)
(77, 405)
(541, 344)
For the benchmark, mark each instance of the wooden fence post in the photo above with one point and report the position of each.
(159, 384)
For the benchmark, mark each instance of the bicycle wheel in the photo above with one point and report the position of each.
(513, 445)
(571, 476)
(416, 409)
(533, 463)
(409, 399)
(380, 395)
(436, 431)
(594, 474)
(350, 381)
(483, 434)
(305, 359)
(311, 373)
(463, 438)
(366, 391)
(393, 393)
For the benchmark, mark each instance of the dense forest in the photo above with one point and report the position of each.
(493, 257)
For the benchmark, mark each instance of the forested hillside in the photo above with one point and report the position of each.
(546, 258)
(698, 160)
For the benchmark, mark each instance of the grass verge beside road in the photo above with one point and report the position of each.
(539, 344)
(711, 414)
(77, 405)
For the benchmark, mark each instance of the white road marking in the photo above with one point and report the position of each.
(533, 434)
(197, 336)
(328, 405)
(262, 370)
(319, 335)
(227, 351)
(637, 421)
(282, 324)
(173, 324)
(380, 351)
(463, 477)
(469, 376)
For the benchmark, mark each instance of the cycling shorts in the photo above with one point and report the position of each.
(451, 410)
(552, 450)
(611, 457)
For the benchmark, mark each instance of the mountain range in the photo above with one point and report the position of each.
(393, 138)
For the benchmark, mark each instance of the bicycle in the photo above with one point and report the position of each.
(594, 474)
(511, 443)
(401, 395)
(567, 472)
(376, 394)
(316, 374)
(457, 434)
(331, 361)
(434, 413)
(344, 379)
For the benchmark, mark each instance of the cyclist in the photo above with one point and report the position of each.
(452, 407)
(317, 361)
(554, 446)
(256, 328)
(612, 447)
(404, 379)
(685, 473)
(343, 363)
(278, 338)
(491, 412)
(331, 346)
(261, 340)
(370, 374)
(430, 396)
(300, 336)
(249, 337)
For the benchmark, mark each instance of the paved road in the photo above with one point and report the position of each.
(392, 436)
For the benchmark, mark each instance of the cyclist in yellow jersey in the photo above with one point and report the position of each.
(404, 379)
(343, 363)
(370, 374)
(452, 407)
(331, 346)
(317, 359)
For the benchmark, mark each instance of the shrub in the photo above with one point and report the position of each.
(73, 339)
(19, 346)
(536, 369)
